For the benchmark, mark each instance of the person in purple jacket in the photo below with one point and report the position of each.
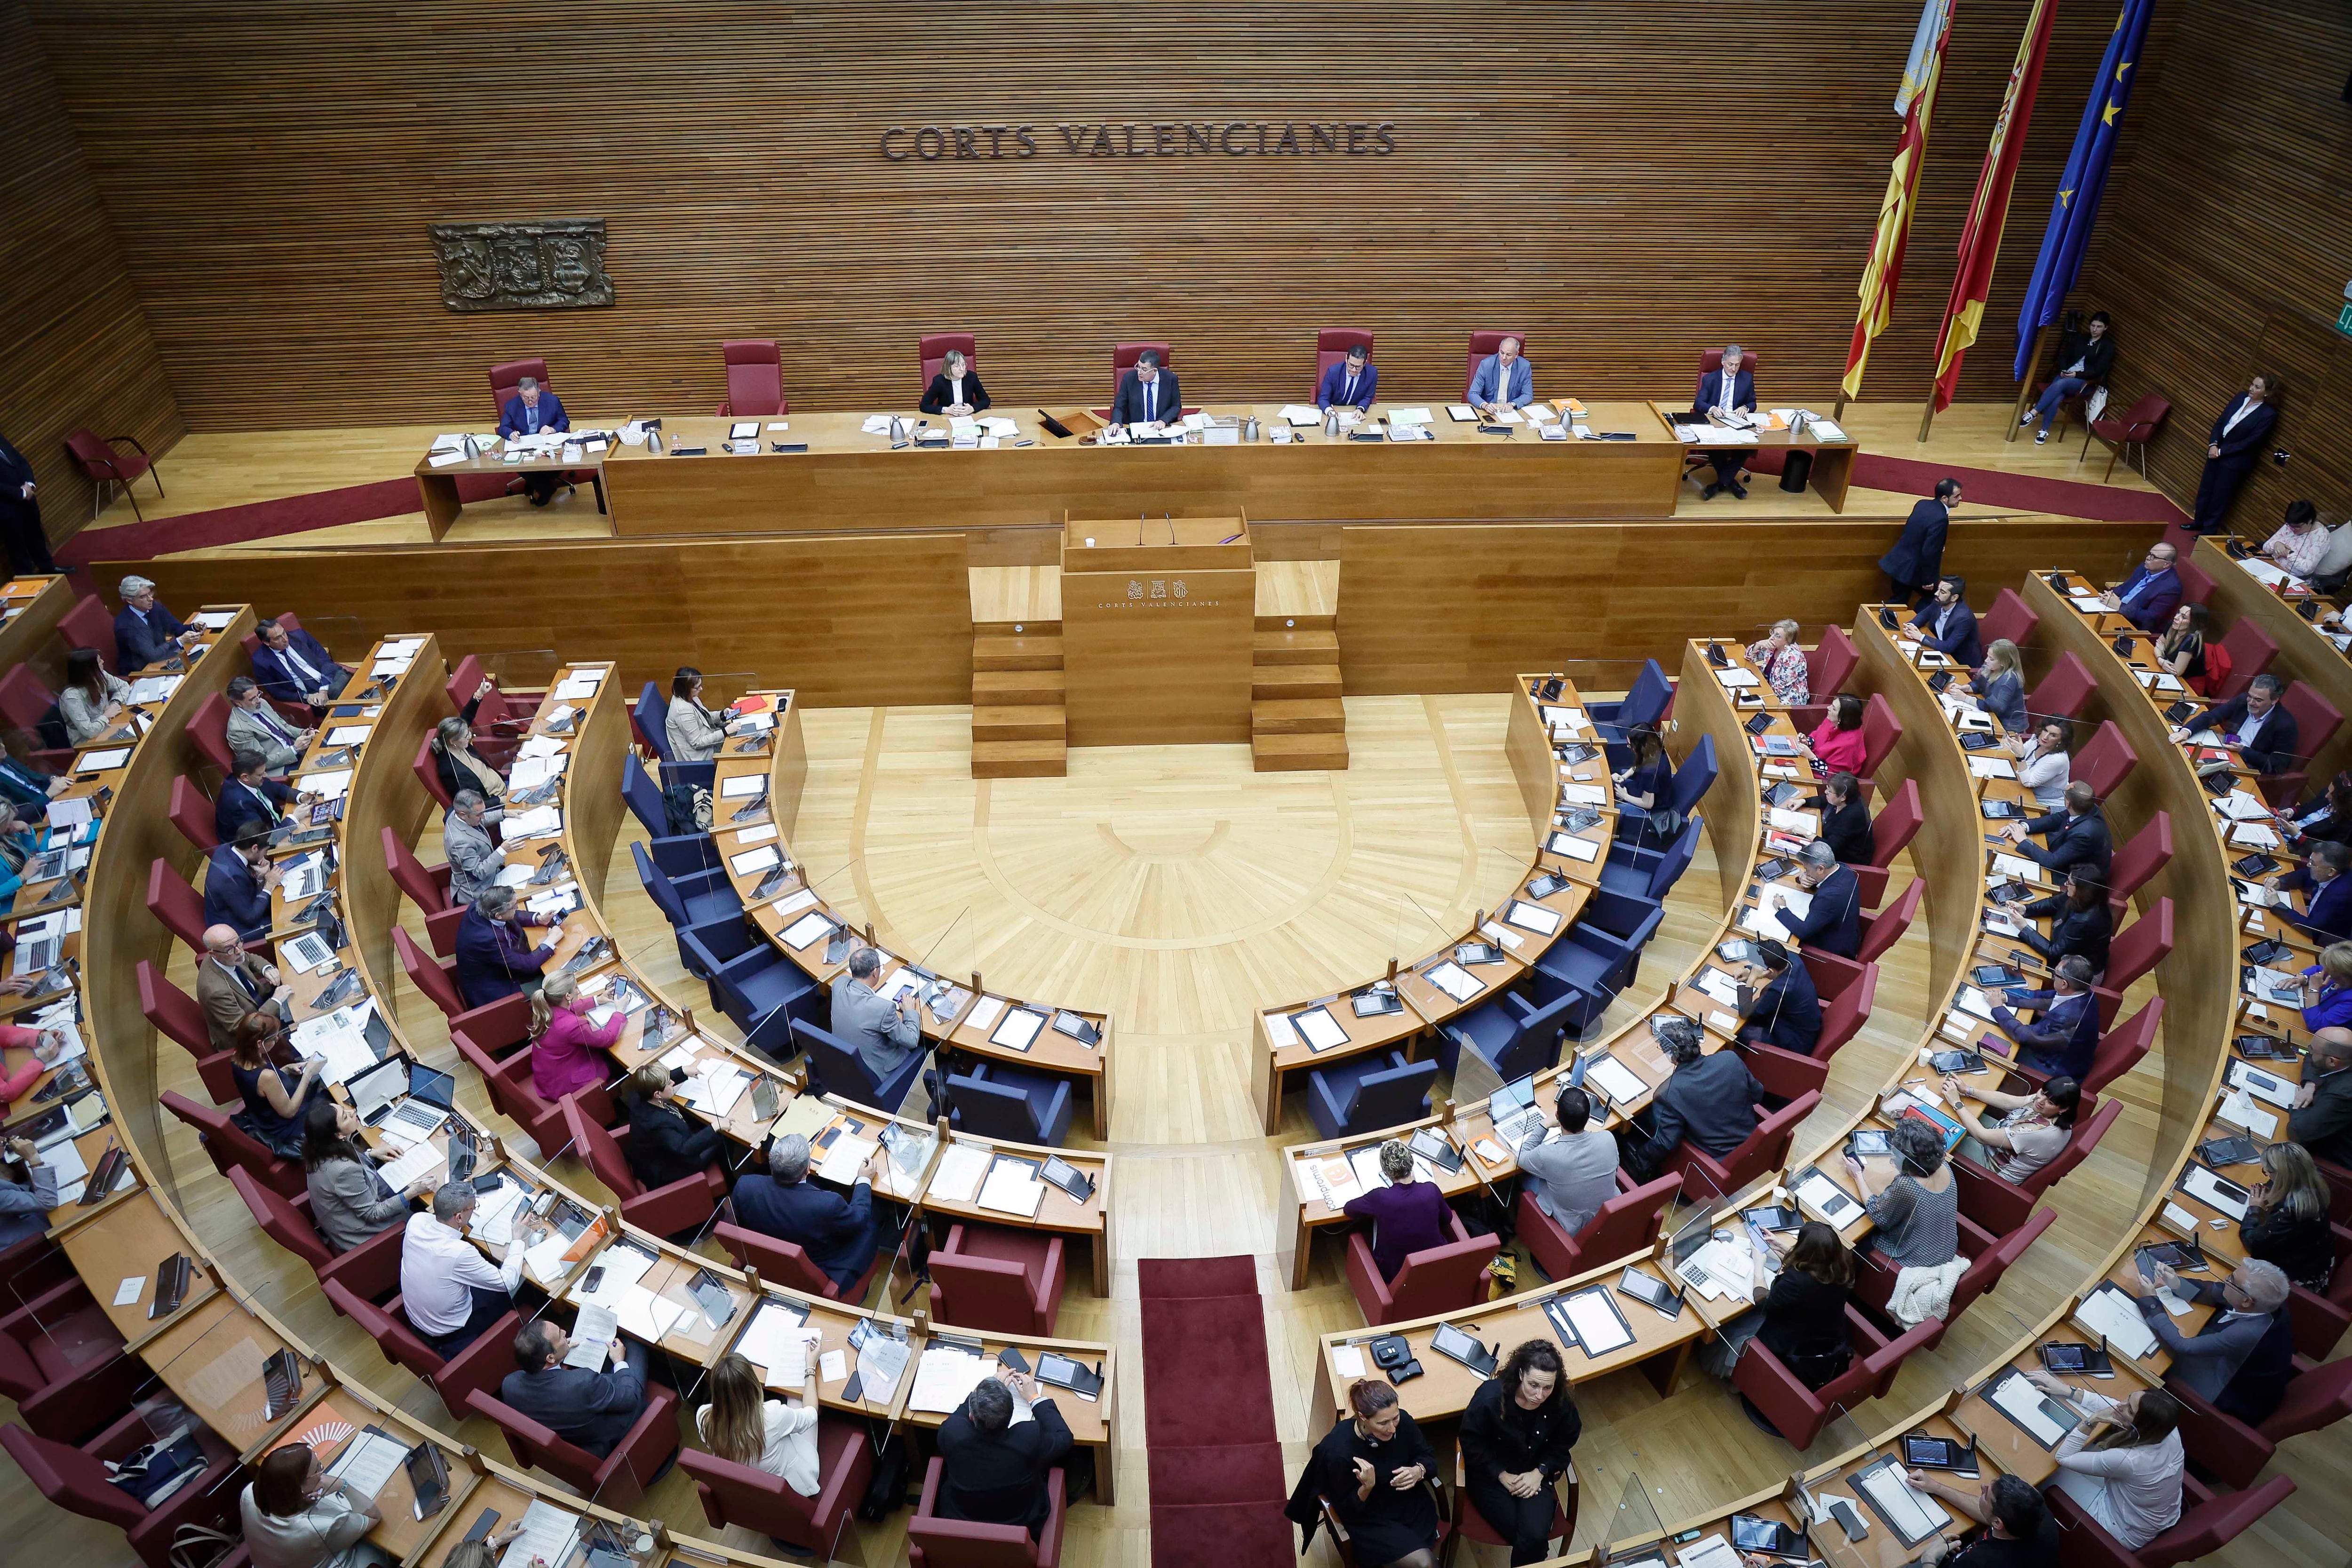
(1408, 1216)
(495, 959)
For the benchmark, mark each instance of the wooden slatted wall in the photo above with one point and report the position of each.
(1626, 183)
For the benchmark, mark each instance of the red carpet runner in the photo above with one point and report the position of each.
(2013, 492)
(1217, 1490)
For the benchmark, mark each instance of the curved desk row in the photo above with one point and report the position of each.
(30, 609)
(2316, 650)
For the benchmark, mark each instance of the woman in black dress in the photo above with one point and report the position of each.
(1845, 819)
(1804, 1312)
(274, 1105)
(1516, 1437)
(665, 1145)
(2287, 1221)
(1375, 1467)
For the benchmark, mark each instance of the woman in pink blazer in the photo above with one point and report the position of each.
(1838, 743)
(568, 1052)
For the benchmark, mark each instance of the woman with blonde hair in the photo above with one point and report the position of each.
(1783, 663)
(2000, 685)
(1407, 1216)
(2327, 989)
(743, 1426)
(567, 1050)
(2287, 1221)
(456, 762)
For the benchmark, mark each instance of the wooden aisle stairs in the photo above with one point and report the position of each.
(1296, 721)
(1018, 729)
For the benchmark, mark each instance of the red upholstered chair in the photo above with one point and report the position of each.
(1886, 927)
(370, 1270)
(2138, 858)
(1625, 1225)
(438, 978)
(1847, 992)
(181, 909)
(74, 1477)
(2205, 1526)
(932, 348)
(23, 700)
(2251, 650)
(33, 1266)
(105, 465)
(1765, 1148)
(179, 1017)
(426, 774)
(1470, 1525)
(615, 1481)
(428, 887)
(61, 1359)
(2236, 1452)
(1797, 1413)
(496, 1043)
(1999, 1206)
(755, 379)
(500, 716)
(505, 381)
(2139, 947)
(1006, 1281)
(2320, 1320)
(2063, 692)
(1331, 346)
(229, 1146)
(1123, 357)
(1989, 1256)
(1880, 730)
(1487, 342)
(1827, 663)
(2196, 587)
(479, 1368)
(784, 1263)
(2105, 760)
(2010, 617)
(1712, 359)
(2135, 428)
(251, 641)
(738, 1495)
(1436, 1280)
(88, 623)
(666, 1211)
(936, 1542)
(208, 733)
(2316, 719)
(191, 814)
(1891, 832)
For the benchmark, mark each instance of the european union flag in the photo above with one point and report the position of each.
(2076, 209)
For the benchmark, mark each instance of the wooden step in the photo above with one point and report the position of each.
(1018, 721)
(1018, 759)
(1297, 623)
(1292, 753)
(1010, 688)
(1298, 716)
(1289, 680)
(1301, 646)
(1032, 651)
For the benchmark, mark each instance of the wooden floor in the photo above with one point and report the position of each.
(210, 469)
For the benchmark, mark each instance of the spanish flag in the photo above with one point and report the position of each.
(1915, 101)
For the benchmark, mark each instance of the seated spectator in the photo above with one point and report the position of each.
(1837, 743)
(1845, 819)
(494, 959)
(1832, 922)
(238, 877)
(455, 762)
(567, 1051)
(250, 795)
(1566, 1164)
(471, 847)
(665, 1145)
(2015, 1528)
(1644, 782)
(20, 781)
(1407, 1216)
(1516, 1434)
(274, 1105)
(25, 1206)
(145, 632)
(2124, 1463)
(2253, 723)
(296, 1516)
(293, 667)
(2084, 358)
(2241, 1360)
(1917, 1211)
(2327, 917)
(1786, 1010)
(2000, 687)
(2063, 1037)
(2322, 1117)
(2044, 765)
(992, 1470)
(45, 1046)
(2077, 836)
(593, 1410)
(1709, 1101)
(1372, 1468)
(448, 1293)
(349, 1202)
(255, 726)
(2081, 921)
(2327, 989)
(92, 702)
(1948, 626)
(2181, 651)
(2325, 818)
(1783, 663)
(840, 1235)
(20, 840)
(776, 1436)
(2286, 1220)
(2033, 1128)
(2300, 541)
(2147, 597)
(695, 734)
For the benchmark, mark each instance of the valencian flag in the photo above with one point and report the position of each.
(1980, 238)
(1913, 102)
(2077, 208)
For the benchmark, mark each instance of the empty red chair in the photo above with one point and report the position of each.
(1625, 1225)
(75, 1478)
(1847, 992)
(741, 1496)
(2316, 721)
(428, 887)
(179, 1017)
(479, 1368)
(1891, 832)
(24, 703)
(2139, 947)
(2249, 651)
(2135, 428)
(179, 907)
(88, 623)
(1827, 663)
(932, 351)
(370, 1270)
(1999, 1206)
(1989, 1259)
(438, 980)
(2010, 617)
(615, 1481)
(2105, 760)
(1487, 342)
(191, 814)
(2063, 692)
(61, 1359)
(1006, 1281)
(1880, 730)
(207, 730)
(936, 1542)
(1886, 928)
(1331, 346)
(755, 379)
(106, 465)
(1123, 357)
(1797, 1413)
(681, 1205)
(2140, 857)
(784, 1263)
(228, 1146)
(2205, 1527)
(1435, 1280)
(2236, 1452)
(1765, 1149)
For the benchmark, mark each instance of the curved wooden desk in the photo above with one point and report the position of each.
(33, 608)
(2307, 651)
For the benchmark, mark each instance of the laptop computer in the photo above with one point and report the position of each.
(374, 1091)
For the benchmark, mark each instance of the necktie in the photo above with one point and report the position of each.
(1351, 391)
(263, 799)
(245, 983)
(296, 663)
(1150, 401)
(273, 723)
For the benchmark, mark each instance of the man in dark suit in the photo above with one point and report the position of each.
(839, 1235)
(238, 880)
(250, 795)
(2236, 440)
(20, 514)
(531, 410)
(2240, 1358)
(2328, 917)
(2148, 596)
(495, 959)
(293, 667)
(1918, 558)
(2254, 722)
(955, 391)
(992, 1471)
(1787, 1012)
(2074, 835)
(1832, 922)
(1148, 393)
(2062, 1039)
(1947, 624)
(1708, 1101)
(593, 1410)
(1353, 381)
(145, 632)
(1729, 390)
(2322, 1117)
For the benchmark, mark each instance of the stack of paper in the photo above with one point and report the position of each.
(960, 1172)
(846, 1158)
(548, 1535)
(530, 824)
(2107, 1310)
(1011, 1188)
(414, 1164)
(644, 1315)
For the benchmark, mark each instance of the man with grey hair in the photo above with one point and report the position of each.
(534, 408)
(1832, 922)
(1708, 1100)
(883, 1034)
(2061, 1041)
(840, 1237)
(145, 632)
(993, 1472)
(450, 1294)
(255, 726)
(2241, 1358)
(2254, 722)
(1727, 396)
(473, 856)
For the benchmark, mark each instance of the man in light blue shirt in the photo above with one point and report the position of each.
(1503, 380)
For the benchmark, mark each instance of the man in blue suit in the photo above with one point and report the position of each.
(1918, 558)
(2076, 836)
(292, 667)
(2236, 441)
(250, 794)
(2061, 1042)
(2329, 917)
(593, 1409)
(1351, 382)
(1787, 1012)
(2148, 596)
(237, 879)
(2254, 722)
(1148, 394)
(529, 411)
(1831, 924)
(1948, 625)
(1503, 381)
(145, 632)
(839, 1235)
(1728, 390)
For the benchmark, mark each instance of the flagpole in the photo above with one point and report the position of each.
(2025, 388)
(1927, 414)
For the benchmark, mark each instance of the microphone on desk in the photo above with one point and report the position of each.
(1172, 527)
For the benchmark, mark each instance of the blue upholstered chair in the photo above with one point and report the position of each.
(1370, 1092)
(1007, 1103)
(835, 1067)
(1591, 965)
(1645, 871)
(1510, 1034)
(643, 797)
(689, 899)
(755, 983)
(1645, 703)
(1691, 782)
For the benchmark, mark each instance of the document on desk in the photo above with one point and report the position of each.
(1800, 823)
(1018, 1030)
(1411, 417)
(1011, 1188)
(2269, 1087)
(418, 1162)
(2208, 1189)
(2107, 1310)
(1982, 766)
(960, 1170)
(776, 1342)
(1613, 1078)
(1827, 430)
(1715, 1552)
(1454, 981)
(2254, 836)
(1533, 917)
(2019, 867)
(1600, 1327)
(368, 1462)
(945, 1377)
(807, 930)
(2043, 1419)
(752, 862)
(1301, 415)
(1761, 921)
(623, 1266)
(645, 1316)
(846, 1158)
(1817, 1196)
(1735, 679)
(2239, 1109)
(1913, 1516)
(1573, 847)
(1582, 794)
(592, 1338)
(1320, 1030)
(548, 1535)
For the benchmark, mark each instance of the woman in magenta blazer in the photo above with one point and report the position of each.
(569, 1052)
(1838, 743)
